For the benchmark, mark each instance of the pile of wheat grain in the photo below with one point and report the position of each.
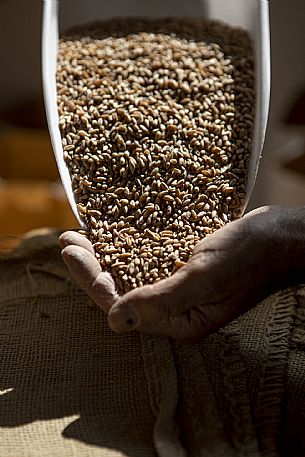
(156, 118)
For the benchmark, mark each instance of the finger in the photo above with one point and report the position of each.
(69, 238)
(87, 272)
(224, 239)
(153, 305)
(190, 327)
(263, 209)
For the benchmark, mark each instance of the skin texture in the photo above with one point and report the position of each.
(229, 272)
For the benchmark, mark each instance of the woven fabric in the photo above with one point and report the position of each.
(70, 387)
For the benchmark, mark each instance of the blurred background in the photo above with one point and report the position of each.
(30, 192)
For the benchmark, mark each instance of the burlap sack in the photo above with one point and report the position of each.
(69, 387)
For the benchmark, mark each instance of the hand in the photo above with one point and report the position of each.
(78, 254)
(229, 272)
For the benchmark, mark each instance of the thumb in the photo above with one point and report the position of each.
(153, 306)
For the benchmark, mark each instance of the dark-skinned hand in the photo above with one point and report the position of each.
(229, 272)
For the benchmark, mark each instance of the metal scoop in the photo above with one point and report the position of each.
(251, 15)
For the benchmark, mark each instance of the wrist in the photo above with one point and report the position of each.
(282, 232)
(292, 239)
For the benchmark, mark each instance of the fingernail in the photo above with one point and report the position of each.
(123, 319)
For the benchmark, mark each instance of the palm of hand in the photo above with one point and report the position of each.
(216, 285)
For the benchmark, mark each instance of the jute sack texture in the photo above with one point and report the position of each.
(70, 387)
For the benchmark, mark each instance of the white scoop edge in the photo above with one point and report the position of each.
(261, 38)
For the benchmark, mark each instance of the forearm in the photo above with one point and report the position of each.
(282, 232)
(292, 238)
